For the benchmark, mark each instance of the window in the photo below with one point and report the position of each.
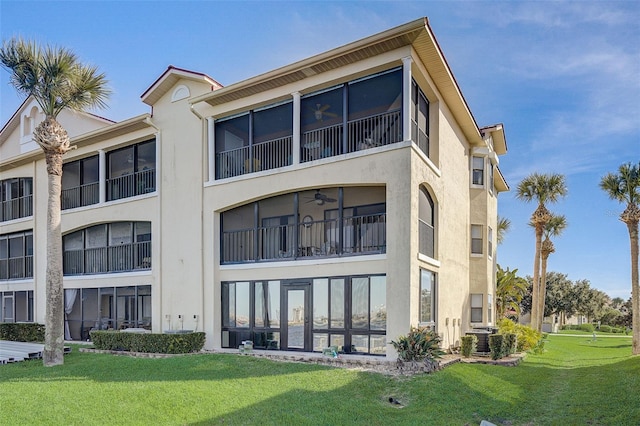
(419, 118)
(476, 239)
(131, 171)
(426, 221)
(80, 183)
(112, 247)
(16, 198)
(16, 256)
(490, 167)
(476, 307)
(489, 241)
(427, 298)
(477, 170)
(16, 306)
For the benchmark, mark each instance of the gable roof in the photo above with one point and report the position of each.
(417, 34)
(169, 78)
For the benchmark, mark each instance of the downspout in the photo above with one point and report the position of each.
(201, 318)
(158, 267)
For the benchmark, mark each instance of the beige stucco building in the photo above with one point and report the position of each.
(334, 201)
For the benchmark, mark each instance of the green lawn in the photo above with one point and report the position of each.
(575, 382)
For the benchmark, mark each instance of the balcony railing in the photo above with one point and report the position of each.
(16, 268)
(369, 132)
(120, 258)
(83, 195)
(317, 239)
(16, 208)
(266, 156)
(365, 133)
(132, 184)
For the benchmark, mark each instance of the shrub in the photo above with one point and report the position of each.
(606, 328)
(150, 343)
(587, 327)
(469, 345)
(510, 342)
(420, 345)
(496, 342)
(22, 331)
(527, 338)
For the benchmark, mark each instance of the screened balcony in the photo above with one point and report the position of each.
(16, 198)
(354, 116)
(80, 183)
(16, 256)
(338, 229)
(113, 247)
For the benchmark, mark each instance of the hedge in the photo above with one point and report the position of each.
(496, 345)
(148, 342)
(469, 345)
(22, 331)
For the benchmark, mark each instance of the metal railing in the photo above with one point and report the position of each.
(132, 184)
(120, 258)
(369, 132)
(16, 268)
(376, 130)
(265, 155)
(83, 195)
(322, 238)
(16, 208)
(321, 143)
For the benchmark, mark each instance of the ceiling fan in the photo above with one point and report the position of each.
(321, 111)
(319, 198)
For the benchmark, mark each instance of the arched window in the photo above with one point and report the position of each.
(426, 223)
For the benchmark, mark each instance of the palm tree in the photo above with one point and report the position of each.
(554, 227)
(542, 188)
(624, 187)
(504, 225)
(56, 80)
(510, 290)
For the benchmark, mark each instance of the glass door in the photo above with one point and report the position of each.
(297, 330)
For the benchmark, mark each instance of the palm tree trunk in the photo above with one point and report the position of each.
(54, 141)
(535, 291)
(54, 330)
(635, 287)
(542, 292)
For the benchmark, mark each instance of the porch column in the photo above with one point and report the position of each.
(211, 148)
(406, 98)
(102, 173)
(295, 145)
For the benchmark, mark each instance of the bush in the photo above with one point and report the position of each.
(469, 345)
(22, 331)
(527, 338)
(606, 328)
(420, 345)
(587, 327)
(149, 343)
(510, 343)
(496, 342)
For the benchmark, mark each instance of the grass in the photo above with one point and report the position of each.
(576, 381)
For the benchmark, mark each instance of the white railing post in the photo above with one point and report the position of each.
(296, 128)
(406, 97)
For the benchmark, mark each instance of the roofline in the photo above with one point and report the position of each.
(307, 62)
(171, 68)
(411, 31)
(134, 123)
(15, 113)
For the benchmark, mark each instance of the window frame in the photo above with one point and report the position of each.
(477, 242)
(430, 278)
(474, 309)
(477, 172)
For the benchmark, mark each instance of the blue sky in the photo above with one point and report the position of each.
(563, 77)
